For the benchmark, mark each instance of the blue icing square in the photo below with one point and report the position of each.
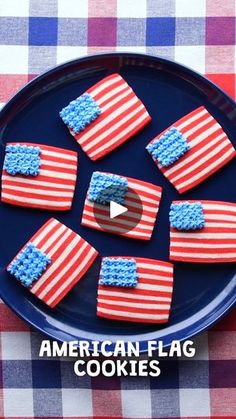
(29, 265)
(105, 187)
(169, 147)
(119, 272)
(22, 160)
(80, 113)
(187, 216)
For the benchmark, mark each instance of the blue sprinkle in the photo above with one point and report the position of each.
(120, 272)
(105, 187)
(187, 216)
(80, 113)
(169, 147)
(29, 265)
(22, 160)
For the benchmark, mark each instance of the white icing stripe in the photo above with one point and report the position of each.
(138, 305)
(179, 244)
(66, 268)
(206, 170)
(38, 183)
(222, 206)
(220, 225)
(154, 267)
(87, 258)
(104, 122)
(58, 175)
(154, 287)
(132, 296)
(203, 235)
(57, 164)
(36, 201)
(62, 155)
(204, 255)
(133, 315)
(39, 191)
(156, 277)
(220, 217)
(124, 132)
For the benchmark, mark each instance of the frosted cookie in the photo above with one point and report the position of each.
(141, 199)
(52, 262)
(105, 116)
(191, 149)
(135, 289)
(203, 231)
(39, 176)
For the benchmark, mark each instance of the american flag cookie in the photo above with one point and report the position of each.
(135, 289)
(140, 199)
(191, 149)
(203, 231)
(39, 176)
(52, 262)
(105, 116)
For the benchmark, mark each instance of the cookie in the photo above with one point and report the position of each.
(191, 149)
(52, 262)
(105, 116)
(148, 295)
(39, 176)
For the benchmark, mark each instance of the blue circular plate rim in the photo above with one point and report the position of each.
(206, 317)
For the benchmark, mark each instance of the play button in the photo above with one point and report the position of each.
(116, 218)
(116, 209)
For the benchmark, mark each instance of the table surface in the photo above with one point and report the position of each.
(36, 35)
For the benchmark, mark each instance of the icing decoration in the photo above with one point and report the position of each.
(118, 272)
(29, 264)
(187, 216)
(80, 113)
(22, 160)
(169, 147)
(105, 187)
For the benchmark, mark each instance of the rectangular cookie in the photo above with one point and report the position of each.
(105, 116)
(50, 187)
(147, 302)
(211, 242)
(192, 149)
(52, 262)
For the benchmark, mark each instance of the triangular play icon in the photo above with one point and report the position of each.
(116, 209)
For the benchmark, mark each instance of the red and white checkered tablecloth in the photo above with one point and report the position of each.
(36, 35)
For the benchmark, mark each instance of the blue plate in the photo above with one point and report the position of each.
(202, 293)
